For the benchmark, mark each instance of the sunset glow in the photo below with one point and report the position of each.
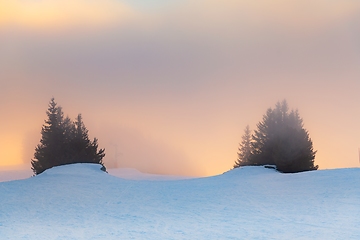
(59, 14)
(169, 89)
(10, 151)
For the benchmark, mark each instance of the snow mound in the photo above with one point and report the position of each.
(80, 201)
(87, 169)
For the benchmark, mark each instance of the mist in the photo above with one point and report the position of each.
(169, 89)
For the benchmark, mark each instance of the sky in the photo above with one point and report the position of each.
(168, 87)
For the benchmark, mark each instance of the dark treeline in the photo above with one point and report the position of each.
(281, 140)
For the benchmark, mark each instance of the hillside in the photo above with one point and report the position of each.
(81, 202)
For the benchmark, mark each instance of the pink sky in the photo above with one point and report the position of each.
(169, 89)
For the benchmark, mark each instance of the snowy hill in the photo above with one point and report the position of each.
(80, 201)
(126, 173)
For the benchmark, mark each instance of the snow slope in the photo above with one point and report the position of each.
(126, 173)
(81, 202)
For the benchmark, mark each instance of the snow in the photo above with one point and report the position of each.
(126, 173)
(80, 201)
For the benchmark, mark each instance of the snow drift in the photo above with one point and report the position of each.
(80, 201)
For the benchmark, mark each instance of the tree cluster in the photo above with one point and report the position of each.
(64, 142)
(280, 140)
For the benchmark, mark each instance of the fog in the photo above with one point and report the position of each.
(168, 88)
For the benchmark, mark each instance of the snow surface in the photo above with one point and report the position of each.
(126, 173)
(80, 201)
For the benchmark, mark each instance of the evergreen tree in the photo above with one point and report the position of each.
(261, 144)
(64, 142)
(293, 148)
(281, 140)
(244, 150)
(52, 133)
(82, 149)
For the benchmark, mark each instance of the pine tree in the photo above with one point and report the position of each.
(64, 142)
(244, 150)
(293, 151)
(261, 140)
(281, 140)
(84, 150)
(49, 152)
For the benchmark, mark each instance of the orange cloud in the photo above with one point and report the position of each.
(63, 13)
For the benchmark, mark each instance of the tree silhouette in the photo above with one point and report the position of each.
(244, 150)
(82, 149)
(64, 142)
(281, 140)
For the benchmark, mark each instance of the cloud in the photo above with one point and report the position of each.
(58, 14)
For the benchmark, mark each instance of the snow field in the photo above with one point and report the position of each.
(80, 201)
